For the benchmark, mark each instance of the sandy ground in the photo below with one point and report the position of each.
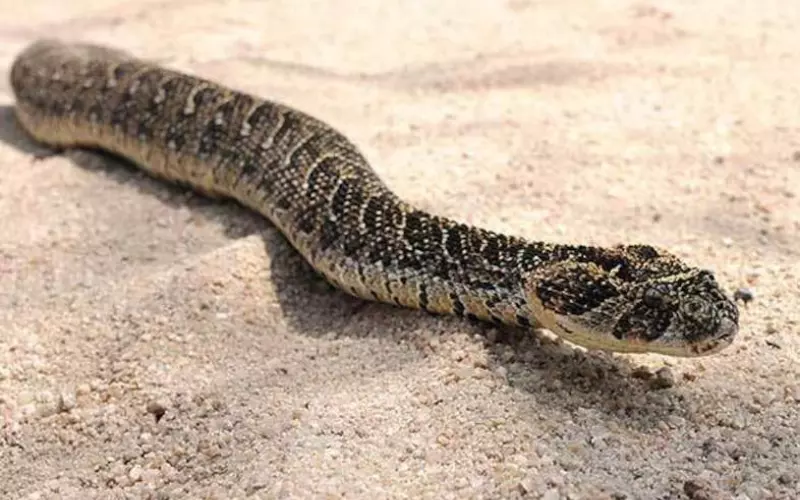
(155, 344)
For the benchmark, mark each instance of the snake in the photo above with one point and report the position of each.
(316, 187)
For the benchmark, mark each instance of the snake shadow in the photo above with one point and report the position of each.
(545, 369)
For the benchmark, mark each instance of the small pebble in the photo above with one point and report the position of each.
(697, 489)
(26, 410)
(551, 494)
(664, 379)
(480, 362)
(788, 478)
(67, 400)
(255, 487)
(743, 294)
(150, 476)
(157, 409)
(642, 373)
(48, 405)
(525, 486)
(135, 474)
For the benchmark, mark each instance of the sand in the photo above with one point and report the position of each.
(156, 344)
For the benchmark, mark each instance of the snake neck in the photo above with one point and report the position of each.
(411, 258)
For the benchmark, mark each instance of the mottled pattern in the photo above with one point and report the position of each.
(318, 189)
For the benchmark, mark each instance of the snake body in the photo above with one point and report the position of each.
(323, 195)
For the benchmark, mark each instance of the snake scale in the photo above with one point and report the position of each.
(317, 188)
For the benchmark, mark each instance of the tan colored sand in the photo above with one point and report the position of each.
(674, 123)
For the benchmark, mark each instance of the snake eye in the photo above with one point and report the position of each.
(695, 308)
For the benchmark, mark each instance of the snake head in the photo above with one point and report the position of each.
(632, 298)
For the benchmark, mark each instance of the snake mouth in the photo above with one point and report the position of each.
(723, 338)
(727, 331)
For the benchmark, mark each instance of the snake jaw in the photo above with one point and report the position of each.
(653, 304)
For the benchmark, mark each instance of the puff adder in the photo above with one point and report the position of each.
(323, 195)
